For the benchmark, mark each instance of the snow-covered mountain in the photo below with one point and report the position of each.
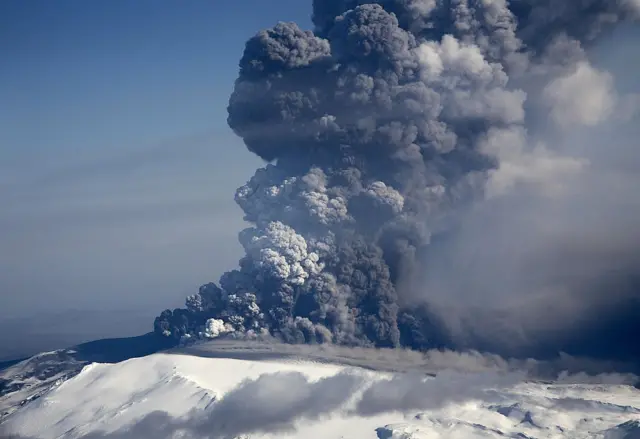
(238, 391)
(24, 381)
(32, 378)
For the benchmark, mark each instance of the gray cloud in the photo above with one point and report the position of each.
(271, 403)
(443, 174)
(547, 268)
(406, 393)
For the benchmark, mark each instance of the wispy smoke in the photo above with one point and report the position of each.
(562, 368)
(405, 393)
(425, 186)
(271, 403)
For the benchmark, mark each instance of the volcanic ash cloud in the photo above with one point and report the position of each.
(381, 128)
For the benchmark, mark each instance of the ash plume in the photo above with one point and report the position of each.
(404, 139)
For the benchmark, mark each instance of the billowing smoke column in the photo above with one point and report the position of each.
(379, 127)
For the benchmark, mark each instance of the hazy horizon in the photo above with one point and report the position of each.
(113, 193)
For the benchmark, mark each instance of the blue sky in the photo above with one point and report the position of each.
(117, 168)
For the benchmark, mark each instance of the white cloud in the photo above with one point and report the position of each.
(585, 96)
(537, 166)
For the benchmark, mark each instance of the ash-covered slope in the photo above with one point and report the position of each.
(167, 395)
